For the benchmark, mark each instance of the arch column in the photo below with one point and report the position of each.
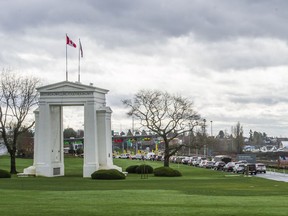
(48, 160)
(105, 141)
(90, 139)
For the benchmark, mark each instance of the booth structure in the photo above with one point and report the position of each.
(48, 139)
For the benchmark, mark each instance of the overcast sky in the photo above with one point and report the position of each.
(229, 57)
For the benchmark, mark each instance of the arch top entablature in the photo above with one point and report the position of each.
(68, 92)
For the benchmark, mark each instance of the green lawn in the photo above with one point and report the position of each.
(197, 192)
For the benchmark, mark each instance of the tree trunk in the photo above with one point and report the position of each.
(13, 162)
(166, 160)
(166, 155)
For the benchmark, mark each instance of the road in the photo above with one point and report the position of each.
(274, 176)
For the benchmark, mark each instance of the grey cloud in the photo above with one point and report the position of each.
(206, 19)
(265, 100)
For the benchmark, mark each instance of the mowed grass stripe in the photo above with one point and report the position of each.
(197, 192)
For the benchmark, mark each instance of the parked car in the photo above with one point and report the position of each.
(202, 163)
(198, 161)
(260, 168)
(243, 162)
(172, 159)
(185, 160)
(209, 164)
(195, 162)
(191, 160)
(229, 167)
(239, 168)
(150, 156)
(159, 158)
(124, 156)
(224, 158)
(136, 157)
(219, 165)
(179, 159)
(250, 168)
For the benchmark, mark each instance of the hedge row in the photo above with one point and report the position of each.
(160, 171)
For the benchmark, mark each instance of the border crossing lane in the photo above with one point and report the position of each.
(274, 176)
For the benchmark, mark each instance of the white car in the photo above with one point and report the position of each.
(261, 168)
(124, 156)
(202, 163)
(239, 168)
(208, 164)
(185, 160)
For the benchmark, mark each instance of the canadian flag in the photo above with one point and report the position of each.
(70, 42)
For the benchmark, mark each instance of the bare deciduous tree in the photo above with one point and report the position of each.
(17, 97)
(238, 137)
(166, 115)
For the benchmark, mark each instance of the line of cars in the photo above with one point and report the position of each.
(229, 166)
(148, 156)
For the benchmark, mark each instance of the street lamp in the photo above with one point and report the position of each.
(204, 133)
(204, 130)
(211, 128)
(189, 145)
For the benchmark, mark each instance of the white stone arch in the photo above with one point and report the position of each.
(48, 140)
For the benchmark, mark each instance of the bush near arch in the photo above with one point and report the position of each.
(4, 174)
(166, 172)
(108, 174)
(144, 169)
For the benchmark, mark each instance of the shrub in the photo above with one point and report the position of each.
(132, 169)
(108, 174)
(167, 172)
(4, 174)
(144, 169)
(79, 151)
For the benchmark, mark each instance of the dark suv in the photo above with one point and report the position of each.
(250, 168)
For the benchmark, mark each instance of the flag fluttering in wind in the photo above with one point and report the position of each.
(70, 42)
(80, 54)
(81, 50)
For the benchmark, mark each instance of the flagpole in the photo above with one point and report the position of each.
(79, 62)
(66, 61)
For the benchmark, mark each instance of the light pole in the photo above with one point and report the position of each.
(204, 129)
(189, 145)
(204, 132)
(211, 128)
(212, 138)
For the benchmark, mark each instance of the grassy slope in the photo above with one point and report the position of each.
(198, 192)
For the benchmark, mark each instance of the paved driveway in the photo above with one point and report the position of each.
(274, 176)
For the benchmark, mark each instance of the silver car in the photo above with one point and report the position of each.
(261, 168)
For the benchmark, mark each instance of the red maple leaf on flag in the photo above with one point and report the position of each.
(70, 42)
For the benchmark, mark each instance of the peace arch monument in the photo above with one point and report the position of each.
(48, 139)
